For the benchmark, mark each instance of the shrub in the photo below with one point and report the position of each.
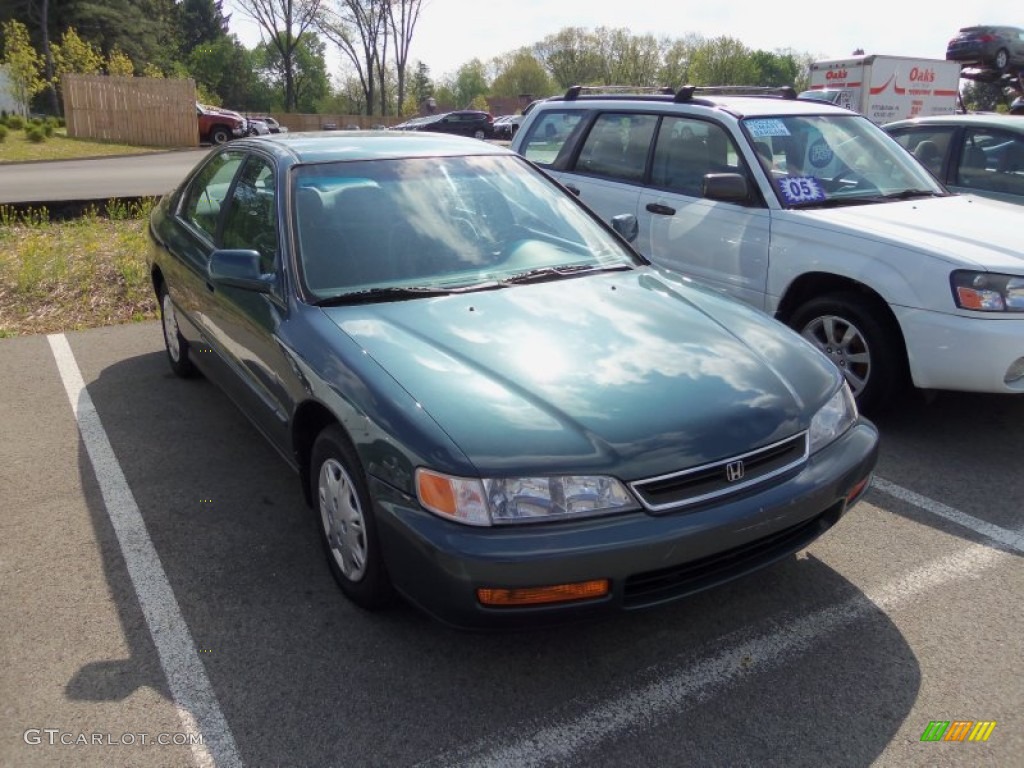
(15, 122)
(48, 129)
(35, 134)
(3, 132)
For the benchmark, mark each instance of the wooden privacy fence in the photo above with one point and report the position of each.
(144, 111)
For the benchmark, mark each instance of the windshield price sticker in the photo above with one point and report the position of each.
(763, 129)
(801, 189)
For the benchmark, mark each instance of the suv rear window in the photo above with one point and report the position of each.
(549, 134)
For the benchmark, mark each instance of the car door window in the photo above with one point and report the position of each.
(204, 199)
(250, 220)
(549, 135)
(687, 149)
(617, 146)
(930, 145)
(992, 161)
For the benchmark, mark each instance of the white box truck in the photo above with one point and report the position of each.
(887, 88)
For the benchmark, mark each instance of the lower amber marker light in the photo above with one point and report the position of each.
(558, 593)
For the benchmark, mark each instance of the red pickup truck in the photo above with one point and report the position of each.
(217, 125)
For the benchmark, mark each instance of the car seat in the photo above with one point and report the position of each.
(928, 154)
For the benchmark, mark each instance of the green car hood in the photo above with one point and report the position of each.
(631, 373)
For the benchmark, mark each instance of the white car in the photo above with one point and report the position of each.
(811, 213)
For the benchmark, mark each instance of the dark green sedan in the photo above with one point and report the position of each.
(496, 408)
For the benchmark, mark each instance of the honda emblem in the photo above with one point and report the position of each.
(734, 471)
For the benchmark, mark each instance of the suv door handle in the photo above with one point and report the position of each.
(662, 209)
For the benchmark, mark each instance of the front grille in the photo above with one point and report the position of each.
(654, 587)
(721, 478)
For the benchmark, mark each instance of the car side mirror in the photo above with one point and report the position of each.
(239, 268)
(627, 226)
(728, 187)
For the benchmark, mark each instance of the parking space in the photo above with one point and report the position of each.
(903, 614)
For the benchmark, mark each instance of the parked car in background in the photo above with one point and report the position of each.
(811, 213)
(258, 127)
(217, 126)
(988, 46)
(271, 123)
(463, 122)
(981, 154)
(494, 405)
(503, 127)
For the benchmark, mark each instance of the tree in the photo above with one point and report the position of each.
(520, 73)
(72, 55)
(569, 56)
(359, 29)
(722, 61)
(224, 67)
(119, 65)
(309, 74)
(422, 87)
(284, 22)
(402, 16)
(24, 66)
(775, 69)
(202, 21)
(470, 82)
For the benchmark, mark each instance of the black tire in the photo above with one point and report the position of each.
(479, 133)
(175, 344)
(220, 135)
(1002, 59)
(344, 517)
(857, 334)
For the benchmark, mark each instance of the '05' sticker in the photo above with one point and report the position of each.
(801, 189)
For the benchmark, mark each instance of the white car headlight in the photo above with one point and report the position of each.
(494, 501)
(833, 419)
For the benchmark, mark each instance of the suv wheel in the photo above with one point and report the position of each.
(1002, 59)
(220, 135)
(847, 328)
(479, 134)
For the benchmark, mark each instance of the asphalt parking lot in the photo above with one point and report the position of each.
(161, 581)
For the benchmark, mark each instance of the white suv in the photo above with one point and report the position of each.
(811, 213)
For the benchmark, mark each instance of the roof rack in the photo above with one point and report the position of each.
(575, 91)
(687, 92)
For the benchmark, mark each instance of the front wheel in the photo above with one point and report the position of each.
(220, 135)
(176, 345)
(851, 331)
(346, 522)
(479, 134)
(1002, 59)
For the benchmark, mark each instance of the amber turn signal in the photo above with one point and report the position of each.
(558, 593)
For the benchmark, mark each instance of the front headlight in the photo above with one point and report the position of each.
(833, 419)
(494, 501)
(987, 291)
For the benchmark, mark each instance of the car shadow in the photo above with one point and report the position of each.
(303, 677)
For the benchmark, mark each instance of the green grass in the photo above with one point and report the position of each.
(75, 274)
(17, 147)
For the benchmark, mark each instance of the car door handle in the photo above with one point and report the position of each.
(574, 190)
(664, 210)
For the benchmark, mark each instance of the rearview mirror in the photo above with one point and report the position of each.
(240, 269)
(626, 225)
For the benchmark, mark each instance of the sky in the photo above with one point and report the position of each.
(452, 32)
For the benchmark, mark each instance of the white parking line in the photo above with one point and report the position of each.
(669, 694)
(1011, 539)
(194, 698)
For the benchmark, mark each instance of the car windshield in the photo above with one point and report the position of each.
(819, 160)
(406, 227)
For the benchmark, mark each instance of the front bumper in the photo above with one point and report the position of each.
(649, 559)
(968, 354)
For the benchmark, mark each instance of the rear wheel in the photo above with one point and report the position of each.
(220, 135)
(347, 526)
(176, 345)
(479, 134)
(1002, 59)
(851, 330)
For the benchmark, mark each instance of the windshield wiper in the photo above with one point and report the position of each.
(393, 293)
(909, 194)
(541, 274)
